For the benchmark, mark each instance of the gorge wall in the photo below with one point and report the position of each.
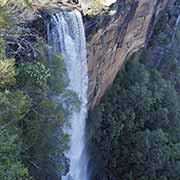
(124, 29)
(112, 35)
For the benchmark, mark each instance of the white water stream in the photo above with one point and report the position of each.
(68, 38)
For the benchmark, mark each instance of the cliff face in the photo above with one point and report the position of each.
(120, 33)
(112, 36)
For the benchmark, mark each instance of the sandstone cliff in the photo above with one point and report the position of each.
(111, 35)
(125, 29)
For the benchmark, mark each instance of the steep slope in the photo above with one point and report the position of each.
(112, 36)
(125, 29)
(134, 131)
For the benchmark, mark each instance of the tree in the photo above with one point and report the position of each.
(11, 166)
(136, 129)
(13, 107)
(31, 115)
(44, 140)
(7, 73)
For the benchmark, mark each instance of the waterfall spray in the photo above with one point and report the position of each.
(68, 38)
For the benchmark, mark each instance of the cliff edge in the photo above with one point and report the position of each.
(123, 30)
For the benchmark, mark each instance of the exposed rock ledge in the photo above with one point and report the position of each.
(122, 35)
(113, 36)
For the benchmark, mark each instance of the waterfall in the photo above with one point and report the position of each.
(67, 37)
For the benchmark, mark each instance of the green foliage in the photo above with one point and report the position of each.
(2, 50)
(58, 79)
(36, 119)
(11, 166)
(163, 21)
(13, 107)
(7, 73)
(37, 73)
(6, 11)
(42, 123)
(44, 141)
(4, 18)
(96, 6)
(7, 68)
(32, 140)
(136, 129)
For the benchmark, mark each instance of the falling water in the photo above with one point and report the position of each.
(68, 38)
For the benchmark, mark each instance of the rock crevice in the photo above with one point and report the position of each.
(125, 32)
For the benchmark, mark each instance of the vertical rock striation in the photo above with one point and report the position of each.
(121, 31)
(117, 37)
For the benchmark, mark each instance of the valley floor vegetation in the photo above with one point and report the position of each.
(134, 134)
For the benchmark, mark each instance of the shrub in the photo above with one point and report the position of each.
(7, 73)
(96, 6)
(135, 133)
(35, 73)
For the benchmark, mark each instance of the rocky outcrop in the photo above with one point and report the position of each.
(112, 36)
(127, 30)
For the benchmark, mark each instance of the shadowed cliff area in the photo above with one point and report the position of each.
(133, 127)
(134, 133)
(124, 29)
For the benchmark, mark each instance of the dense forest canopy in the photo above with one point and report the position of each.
(137, 129)
(32, 142)
(134, 134)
